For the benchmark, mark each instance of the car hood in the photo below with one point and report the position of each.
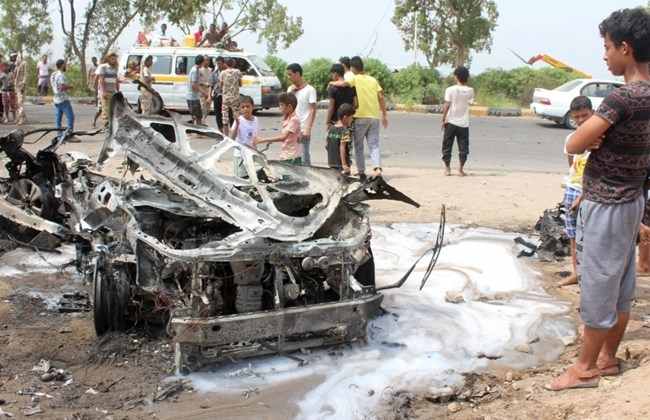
(276, 200)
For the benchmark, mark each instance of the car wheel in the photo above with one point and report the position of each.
(33, 198)
(111, 295)
(156, 108)
(568, 121)
(157, 104)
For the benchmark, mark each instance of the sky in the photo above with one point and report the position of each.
(564, 29)
(423, 343)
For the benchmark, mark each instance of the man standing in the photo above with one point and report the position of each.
(43, 71)
(345, 62)
(372, 106)
(108, 84)
(60, 87)
(146, 87)
(306, 109)
(231, 79)
(193, 90)
(455, 120)
(338, 96)
(217, 97)
(205, 79)
(20, 80)
(91, 72)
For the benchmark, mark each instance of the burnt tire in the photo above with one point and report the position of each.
(33, 198)
(111, 295)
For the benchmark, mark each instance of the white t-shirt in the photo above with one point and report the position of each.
(246, 131)
(306, 96)
(460, 97)
(43, 69)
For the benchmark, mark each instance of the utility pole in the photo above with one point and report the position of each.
(415, 39)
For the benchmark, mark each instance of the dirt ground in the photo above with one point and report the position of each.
(122, 376)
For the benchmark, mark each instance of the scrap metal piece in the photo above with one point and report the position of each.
(376, 188)
(77, 301)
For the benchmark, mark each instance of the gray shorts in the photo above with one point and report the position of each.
(606, 253)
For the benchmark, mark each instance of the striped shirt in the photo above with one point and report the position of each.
(110, 77)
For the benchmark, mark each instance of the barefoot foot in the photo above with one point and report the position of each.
(572, 279)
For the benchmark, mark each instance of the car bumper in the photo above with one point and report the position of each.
(210, 340)
(548, 112)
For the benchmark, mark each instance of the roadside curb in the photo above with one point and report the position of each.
(48, 100)
(477, 111)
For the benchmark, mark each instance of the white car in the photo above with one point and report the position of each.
(554, 104)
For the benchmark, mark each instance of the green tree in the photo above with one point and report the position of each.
(446, 31)
(381, 72)
(26, 26)
(267, 18)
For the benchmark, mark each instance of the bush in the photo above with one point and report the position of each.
(418, 85)
(75, 78)
(517, 85)
(317, 73)
(279, 67)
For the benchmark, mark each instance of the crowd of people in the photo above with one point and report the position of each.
(13, 79)
(356, 110)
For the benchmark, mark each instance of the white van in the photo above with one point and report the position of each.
(171, 66)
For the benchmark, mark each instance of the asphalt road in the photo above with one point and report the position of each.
(504, 144)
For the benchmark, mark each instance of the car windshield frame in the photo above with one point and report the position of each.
(568, 86)
(264, 69)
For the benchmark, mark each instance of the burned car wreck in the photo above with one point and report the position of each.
(271, 262)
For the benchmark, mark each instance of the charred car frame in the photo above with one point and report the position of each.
(271, 262)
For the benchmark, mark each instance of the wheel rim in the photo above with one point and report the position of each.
(32, 198)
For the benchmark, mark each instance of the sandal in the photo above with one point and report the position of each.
(611, 368)
(575, 379)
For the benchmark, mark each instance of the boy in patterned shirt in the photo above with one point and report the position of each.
(618, 135)
(338, 140)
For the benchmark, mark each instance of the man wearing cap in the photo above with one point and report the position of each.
(108, 83)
